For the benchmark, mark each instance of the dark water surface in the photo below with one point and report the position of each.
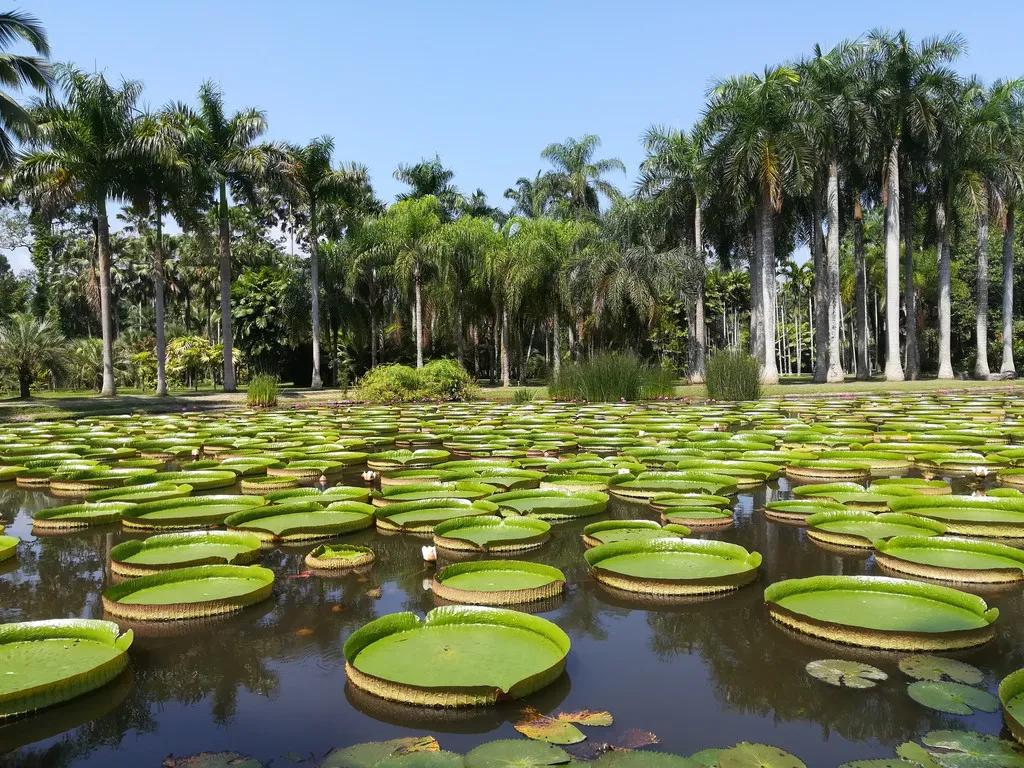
(270, 682)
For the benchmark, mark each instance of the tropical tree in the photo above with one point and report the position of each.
(530, 197)
(907, 82)
(30, 347)
(19, 71)
(430, 177)
(577, 181)
(225, 147)
(84, 152)
(311, 184)
(749, 134)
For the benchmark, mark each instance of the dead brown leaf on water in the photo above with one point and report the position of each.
(560, 728)
(304, 631)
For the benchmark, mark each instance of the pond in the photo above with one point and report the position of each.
(270, 680)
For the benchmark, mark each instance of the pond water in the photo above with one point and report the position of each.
(270, 682)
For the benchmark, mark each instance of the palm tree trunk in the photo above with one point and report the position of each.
(821, 303)
(158, 305)
(981, 369)
(893, 366)
(227, 337)
(835, 371)
(799, 335)
(314, 294)
(460, 342)
(699, 347)
(109, 388)
(556, 345)
(770, 373)
(913, 355)
(417, 320)
(1007, 365)
(506, 378)
(756, 296)
(860, 290)
(372, 308)
(945, 303)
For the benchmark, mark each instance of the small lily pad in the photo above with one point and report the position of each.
(549, 729)
(212, 760)
(515, 753)
(968, 749)
(629, 759)
(939, 668)
(954, 698)
(423, 760)
(707, 758)
(914, 753)
(747, 755)
(882, 762)
(369, 754)
(845, 674)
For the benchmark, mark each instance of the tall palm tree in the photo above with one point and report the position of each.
(430, 177)
(84, 152)
(226, 147)
(530, 197)
(1010, 183)
(19, 71)
(578, 178)
(310, 184)
(907, 81)
(749, 129)
(672, 175)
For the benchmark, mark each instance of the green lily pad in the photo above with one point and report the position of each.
(882, 762)
(515, 753)
(954, 698)
(914, 753)
(707, 758)
(968, 749)
(845, 674)
(938, 668)
(630, 759)
(747, 755)
(423, 760)
(212, 760)
(372, 753)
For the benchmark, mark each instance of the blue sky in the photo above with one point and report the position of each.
(484, 84)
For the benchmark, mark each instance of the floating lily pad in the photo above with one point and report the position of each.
(371, 753)
(845, 674)
(302, 520)
(747, 755)
(954, 698)
(339, 557)
(420, 517)
(180, 550)
(950, 558)
(491, 534)
(424, 760)
(516, 753)
(498, 582)
(1011, 696)
(477, 656)
(938, 668)
(212, 760)
(50, 662)
(967, 749)
(608, 531)
(74, 516)
(8, 546)
(182, 514)
(645, 759)
(862, 529)
(551, 505)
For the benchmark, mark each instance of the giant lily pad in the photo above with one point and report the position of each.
(199, 479)
(8, 546)
(79, 515)
(1011, 696)
(49, 662)
(339, 557)
(986, 516)
(477, 656)
(608, 531)
(370, 754)
(860, 530)
(469, 490)
(845, 674)
(551, 504)
(747, 755)
(498, 582)
(189, 593)
(954, 698)
(491, 534)
(420, 517)
(669, 566)
(139, 494)
(302, 520)
(180, 550)
(193, 512)
(881, 612)
(952, 559)
(644, 759)
(515, 753)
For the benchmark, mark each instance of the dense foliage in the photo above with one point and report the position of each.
(396, 383)
(733, 375)
(262, 391)
(611, 377)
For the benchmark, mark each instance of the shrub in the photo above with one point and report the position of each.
(262, 391)
(733, 375)
(437, 380)
(524, 395)
(611, 377)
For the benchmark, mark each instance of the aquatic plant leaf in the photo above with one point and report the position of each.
(629, 759)
(882, 762)
(914, 753)
(969, 749)
(954, 698)
(938, 668)
(369, 754)
(845, 674)
(595, 717)
(635, 738)
(707, 758)
(747, 755)
(514, 753)
(550, 729)
(423, 760)
(212, 760)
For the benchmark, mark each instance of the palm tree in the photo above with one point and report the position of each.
(30, 347)
(907, 80)
(1010, 182)
(530, 197)
(225, 147)
(18, 71)
(672, 176)
(84, 152)
(311, 184)
(406, 237)
(430, 177)
(577, 178)
(749, 132)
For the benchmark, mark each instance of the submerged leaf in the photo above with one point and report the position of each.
(747, 755)
(514, 753)
(938, 668)
(954, 698)
(368, 754)
(212, 760)
(847, 674)
(635, 738)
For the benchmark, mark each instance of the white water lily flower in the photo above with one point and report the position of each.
(429, 554)
(369, 475)
(623, 471)
(426, 585)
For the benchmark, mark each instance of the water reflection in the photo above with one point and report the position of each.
(270, 680)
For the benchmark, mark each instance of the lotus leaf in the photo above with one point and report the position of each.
(954, 698)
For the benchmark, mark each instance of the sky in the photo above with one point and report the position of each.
(485, 85)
